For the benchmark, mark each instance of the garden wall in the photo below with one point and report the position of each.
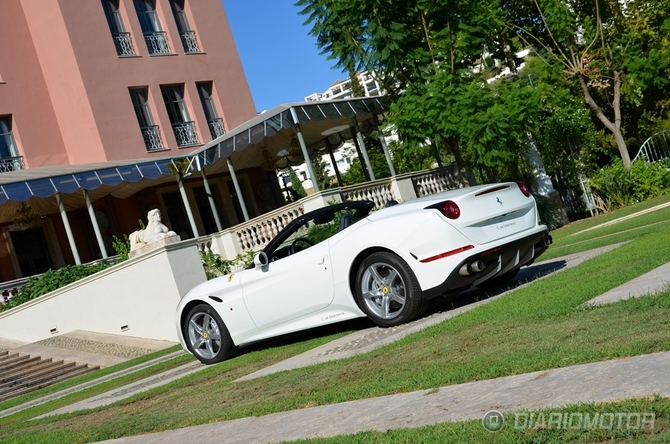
(137, 298)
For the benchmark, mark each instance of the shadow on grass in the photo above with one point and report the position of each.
(437, 305)
(476, 294)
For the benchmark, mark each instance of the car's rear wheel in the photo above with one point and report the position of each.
(206, 335)
(387, 290)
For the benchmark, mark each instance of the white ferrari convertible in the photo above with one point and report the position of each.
(344, 261)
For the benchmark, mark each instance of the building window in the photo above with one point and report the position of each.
(214, 122)
(186, 34)
(183, 127)
(9, 156)
(154, 36)
(122, 40)
(150, 132)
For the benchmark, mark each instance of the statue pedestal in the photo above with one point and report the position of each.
(153, 246)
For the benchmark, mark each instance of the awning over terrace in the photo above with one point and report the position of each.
(271, 133)
(39, 185)
(275, 130)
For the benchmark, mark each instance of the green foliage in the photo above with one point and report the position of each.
(615, 187)
(319, 167)
(548, 214)
(434, 59)
(216, 266)
(319, 233)
(122, 247)
(408, 157)
(355, 174)
(53, 280)
(296, 185)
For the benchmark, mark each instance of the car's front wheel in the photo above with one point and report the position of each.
(206, 335)
(387, 290)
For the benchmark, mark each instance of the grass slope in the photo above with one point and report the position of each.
(536, 327)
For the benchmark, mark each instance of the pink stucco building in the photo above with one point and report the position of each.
(88, 81)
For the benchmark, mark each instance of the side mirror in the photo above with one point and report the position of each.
(261, 260)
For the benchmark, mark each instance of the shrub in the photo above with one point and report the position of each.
(548, 214)
(216, 266)
(122, 247)
(53, 280)
(615, 187)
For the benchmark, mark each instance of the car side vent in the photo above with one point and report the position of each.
(217, 299)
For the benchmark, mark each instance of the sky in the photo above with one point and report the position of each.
(280, 58)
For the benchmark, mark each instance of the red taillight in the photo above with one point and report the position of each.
(450, 209)
(524, 188)
(447, 254)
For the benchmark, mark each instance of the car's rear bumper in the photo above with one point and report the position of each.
(497, 261)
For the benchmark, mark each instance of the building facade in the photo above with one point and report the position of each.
(94, 81)
(341, 89)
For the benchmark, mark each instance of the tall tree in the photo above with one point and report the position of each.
(424, 55)
(613, 50)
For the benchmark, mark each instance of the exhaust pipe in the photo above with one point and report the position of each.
(469, 269)
(546, 240)
(466, 270)
(478, 266)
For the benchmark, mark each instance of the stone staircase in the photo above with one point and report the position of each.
(22, 373)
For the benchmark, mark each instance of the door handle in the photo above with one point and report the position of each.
(322, 261)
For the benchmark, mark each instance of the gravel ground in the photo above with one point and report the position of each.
(103, 348)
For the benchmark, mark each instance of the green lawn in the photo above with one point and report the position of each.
(542, 325)
(514, 429)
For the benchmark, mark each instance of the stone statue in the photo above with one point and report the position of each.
(154, 232)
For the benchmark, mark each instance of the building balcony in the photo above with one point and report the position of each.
(189, 41)
(157, 43)
(185, 134)
(124, 44)
(11, 164)
(216, 127)
(152, 138)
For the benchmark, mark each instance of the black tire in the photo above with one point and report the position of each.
(499, 280)
(206, 335)
(387, 290)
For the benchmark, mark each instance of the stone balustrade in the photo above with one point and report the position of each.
(255, 234)
(436, 181)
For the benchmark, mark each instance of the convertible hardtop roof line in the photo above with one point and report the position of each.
(362, 207)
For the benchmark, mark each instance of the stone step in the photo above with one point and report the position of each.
(47, 381)
(11, 358)
(43, 366)
(18, 365)
(20, 374)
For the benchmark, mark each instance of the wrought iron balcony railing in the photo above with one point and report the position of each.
(185, 133)
(124, 44)
(157, 42)
(189, 41)
(152, 138)
(11, 164)
(216, 127)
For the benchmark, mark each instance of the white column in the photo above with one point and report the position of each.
(191, 220)
(359, 137)
(382, 140)
(68, 230)
(96, 227)
(236, 184)
(212, 204)
(305, 154)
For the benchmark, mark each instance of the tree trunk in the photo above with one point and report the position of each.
(613, 127)
(452, 144)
